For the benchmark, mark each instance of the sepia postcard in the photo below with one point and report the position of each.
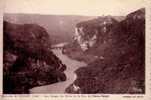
(75, 49)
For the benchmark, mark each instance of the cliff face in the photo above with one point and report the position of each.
(28, 59)
(88, 33)
(120, 67)
(91, 36)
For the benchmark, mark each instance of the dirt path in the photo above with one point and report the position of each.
(60, 87)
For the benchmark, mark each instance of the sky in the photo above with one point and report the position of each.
(73, 7)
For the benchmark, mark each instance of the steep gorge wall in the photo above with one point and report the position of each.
(121, 65)
(88, 33)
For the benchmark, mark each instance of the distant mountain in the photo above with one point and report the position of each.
(60, 27)
(119, 64)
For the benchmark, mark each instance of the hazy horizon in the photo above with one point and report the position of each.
(60, 27)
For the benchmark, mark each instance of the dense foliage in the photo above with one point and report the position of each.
(28, 59)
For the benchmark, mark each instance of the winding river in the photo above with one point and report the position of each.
(59, 88)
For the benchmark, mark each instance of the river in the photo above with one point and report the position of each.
(59, 88)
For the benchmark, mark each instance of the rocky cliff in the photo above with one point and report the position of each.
(28, 60)
(120, 63)
(88, 33)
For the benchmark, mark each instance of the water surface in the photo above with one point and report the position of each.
(60, 87)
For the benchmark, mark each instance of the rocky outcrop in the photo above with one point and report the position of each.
(88, 33)
(120, 67)
(28, 59)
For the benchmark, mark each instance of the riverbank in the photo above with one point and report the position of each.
(60, 87)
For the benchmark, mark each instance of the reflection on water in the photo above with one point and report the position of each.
(60, 87)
